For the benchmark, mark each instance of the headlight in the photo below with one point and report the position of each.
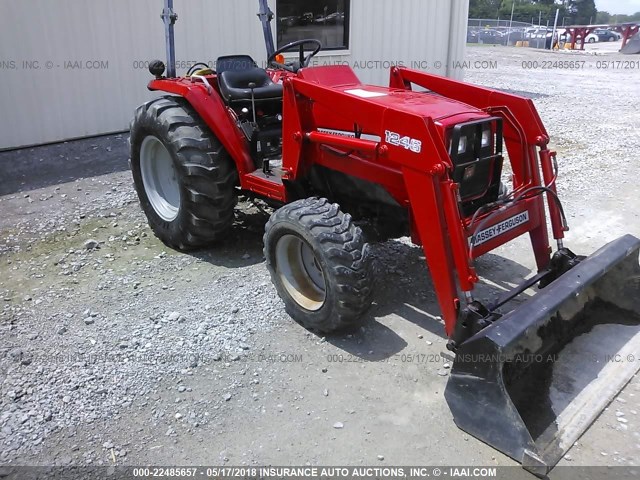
(462, 145)
(476, 154)
(486, 138)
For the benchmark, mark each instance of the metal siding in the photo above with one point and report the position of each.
(51, 104)
(406, 31)
(457, 36)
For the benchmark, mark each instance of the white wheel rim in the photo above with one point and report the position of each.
(300, 272)
(159, 178)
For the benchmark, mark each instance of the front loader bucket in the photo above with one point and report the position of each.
(531, 383)
(633, 45)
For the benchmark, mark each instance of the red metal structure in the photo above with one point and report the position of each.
(627, 30)
(579, 33)
(422, 156)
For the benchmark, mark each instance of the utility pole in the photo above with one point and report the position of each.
(513, 6)
(555, 29)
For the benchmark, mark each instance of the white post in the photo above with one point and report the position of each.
(513, 6)
(555, 27)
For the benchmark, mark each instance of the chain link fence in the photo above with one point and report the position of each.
(492, 23)
(504, 32)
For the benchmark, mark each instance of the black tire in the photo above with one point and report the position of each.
(339, 252)
(205, 174)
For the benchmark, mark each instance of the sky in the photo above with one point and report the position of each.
(618, 6)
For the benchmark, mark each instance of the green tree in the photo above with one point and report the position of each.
(603, 17)
(582, 11)
(484, 8)
(576, 11)
(531, 10)
(625, 18)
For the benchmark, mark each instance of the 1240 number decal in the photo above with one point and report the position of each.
(398, 140)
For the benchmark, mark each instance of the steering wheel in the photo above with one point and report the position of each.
(303, 60)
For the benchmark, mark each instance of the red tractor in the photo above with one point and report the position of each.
(422, 156)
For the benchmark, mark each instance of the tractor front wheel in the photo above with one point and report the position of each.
(319, 263)
(185, 180)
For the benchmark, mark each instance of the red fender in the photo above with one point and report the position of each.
(213, 111)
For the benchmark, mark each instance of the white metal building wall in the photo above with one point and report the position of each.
(45, 97)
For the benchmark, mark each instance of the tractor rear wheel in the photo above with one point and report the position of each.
(319, 263)
(184, 178)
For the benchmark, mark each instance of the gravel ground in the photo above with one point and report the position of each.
(118, 351)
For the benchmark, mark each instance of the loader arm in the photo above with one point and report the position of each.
(524, 132)
(532, 381)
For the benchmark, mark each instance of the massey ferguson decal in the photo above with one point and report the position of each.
(487, 234)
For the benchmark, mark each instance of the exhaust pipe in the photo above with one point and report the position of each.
(531, 383)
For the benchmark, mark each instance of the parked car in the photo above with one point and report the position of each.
(568, 38)
(516, 34)
(335, 18)
(592, 38)
(563, 35)
(491, 36)
(546, 33)
(289, 21)
(534, 33)
(605, 35)
(305, 18)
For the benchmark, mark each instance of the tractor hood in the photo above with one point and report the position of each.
(425, 104)
(444, 111)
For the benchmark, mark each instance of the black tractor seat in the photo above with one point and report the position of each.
(234, 86)
(236, 73)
